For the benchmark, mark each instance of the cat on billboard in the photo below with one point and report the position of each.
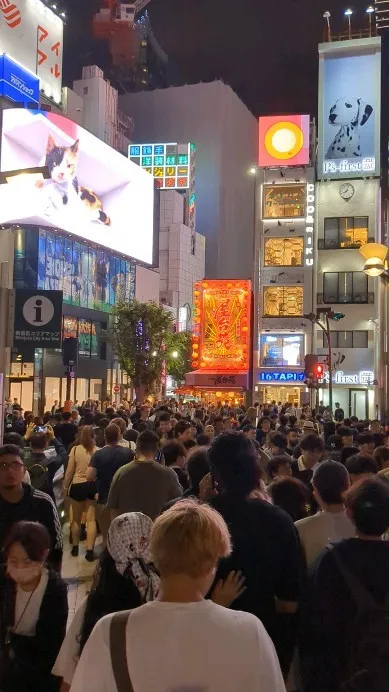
(92, 191)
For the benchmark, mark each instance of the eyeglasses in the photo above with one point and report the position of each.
(14, 465)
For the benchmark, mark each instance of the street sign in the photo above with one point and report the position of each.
(38, 318)
(116, 389)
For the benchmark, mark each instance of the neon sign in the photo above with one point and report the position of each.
(363, 377)
(310, 220)
(222, 325)
(169, 164)
(275, 376)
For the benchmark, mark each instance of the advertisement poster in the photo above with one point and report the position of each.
(89, 278)
(284, 140)
(349, 109)
(93, 191)
(32, 34)
(16, 83)
(222, 329)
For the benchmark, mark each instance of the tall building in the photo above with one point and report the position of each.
(286, 259)
(348, 215)
(224, 132)
(381, 14)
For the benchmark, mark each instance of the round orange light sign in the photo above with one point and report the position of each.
(284, 140)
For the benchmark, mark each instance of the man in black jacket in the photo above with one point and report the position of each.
(19, 501)
(42, 462)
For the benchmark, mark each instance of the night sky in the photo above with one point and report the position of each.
(265, 49)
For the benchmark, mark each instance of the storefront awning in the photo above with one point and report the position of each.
(214, 379)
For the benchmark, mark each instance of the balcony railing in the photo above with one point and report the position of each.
(341, 244)
(357, 299)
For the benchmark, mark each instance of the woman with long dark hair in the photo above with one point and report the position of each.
(33, 612)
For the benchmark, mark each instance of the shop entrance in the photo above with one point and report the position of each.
(283, 394)
(22, 391)
(359, 403)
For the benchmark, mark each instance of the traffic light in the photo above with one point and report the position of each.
(336, 316)
(318, 371)
(310, 362)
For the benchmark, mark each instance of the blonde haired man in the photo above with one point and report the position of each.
(182, 641)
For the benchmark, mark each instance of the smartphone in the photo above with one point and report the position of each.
(159, 456)
(39, 428)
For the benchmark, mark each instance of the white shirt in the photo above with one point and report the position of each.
(67, 659)
(31, 607)
(318, 531)
(201, 647)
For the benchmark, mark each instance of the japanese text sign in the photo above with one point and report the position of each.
(38, 318)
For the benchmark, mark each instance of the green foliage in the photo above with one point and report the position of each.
(179, 343)
(139, 333)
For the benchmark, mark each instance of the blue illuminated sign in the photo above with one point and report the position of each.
(276, 376)
(16, 83)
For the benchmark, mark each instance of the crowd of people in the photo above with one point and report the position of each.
(241, 549)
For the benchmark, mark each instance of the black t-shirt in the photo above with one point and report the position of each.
(107, 461)
(331, 608)
(267, 550)
(66, 433)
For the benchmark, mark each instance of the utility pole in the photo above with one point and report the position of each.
(328, 315)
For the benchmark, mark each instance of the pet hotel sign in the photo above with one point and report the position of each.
(349, 109)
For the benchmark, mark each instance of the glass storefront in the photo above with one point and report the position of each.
(81, 390)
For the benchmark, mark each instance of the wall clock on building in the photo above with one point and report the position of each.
(346, 191)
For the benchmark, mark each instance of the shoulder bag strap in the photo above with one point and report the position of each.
(117, 644)
(360, 594)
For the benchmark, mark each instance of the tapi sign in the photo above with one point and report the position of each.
(38, 318)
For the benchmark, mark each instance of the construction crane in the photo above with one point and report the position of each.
(114, 22)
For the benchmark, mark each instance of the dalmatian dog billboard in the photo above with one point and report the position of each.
(349, 110)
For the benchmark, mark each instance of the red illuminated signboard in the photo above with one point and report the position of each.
(222, 325)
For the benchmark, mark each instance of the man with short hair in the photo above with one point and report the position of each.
(66, 431)
(42, 462)
(102, 468)
(218, 424)
(361, 467)
(339, 413)
(163, 426)
(182, 431)
(144, 485)
(330, 483)
(277, 443)
(366, 443)
(292, 437)
(312, 448)
(347, 436)
(144, 418)
(21, 502)
(174, 454)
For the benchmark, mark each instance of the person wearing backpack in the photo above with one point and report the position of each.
(42, 462)
(345, 643)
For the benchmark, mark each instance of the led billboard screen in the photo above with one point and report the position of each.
(32, 34)
(284, 140)
(349, 108)
(93, 192)
(170, 164)
(222, 325)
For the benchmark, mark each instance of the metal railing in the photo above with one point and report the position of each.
(346, 298)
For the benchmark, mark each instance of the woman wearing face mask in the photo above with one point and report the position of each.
(33, 612)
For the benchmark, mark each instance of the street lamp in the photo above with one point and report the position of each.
(252, 170)
(348, 13)
(370, 11)
(327, 16)
(375, 255)
(175, 354)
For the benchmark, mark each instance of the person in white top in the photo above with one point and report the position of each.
(194, 644)
(81, 491)
(330, 484)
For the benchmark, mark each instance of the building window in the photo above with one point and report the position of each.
(284, 252)
(282, 350)
(283, 301)
(283, 201)
(346, 231)
(339, 339)
(345, 287)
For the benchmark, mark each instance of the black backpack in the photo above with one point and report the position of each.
(367, 666)
(38, 470)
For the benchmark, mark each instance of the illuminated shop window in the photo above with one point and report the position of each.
(283, 301)
(346, 231)
(282, 350)
(284, 252)
(283, 201)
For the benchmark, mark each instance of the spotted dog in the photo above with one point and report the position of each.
(350, 114)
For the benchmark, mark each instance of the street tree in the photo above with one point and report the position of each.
(139, 336)
(178, 355)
